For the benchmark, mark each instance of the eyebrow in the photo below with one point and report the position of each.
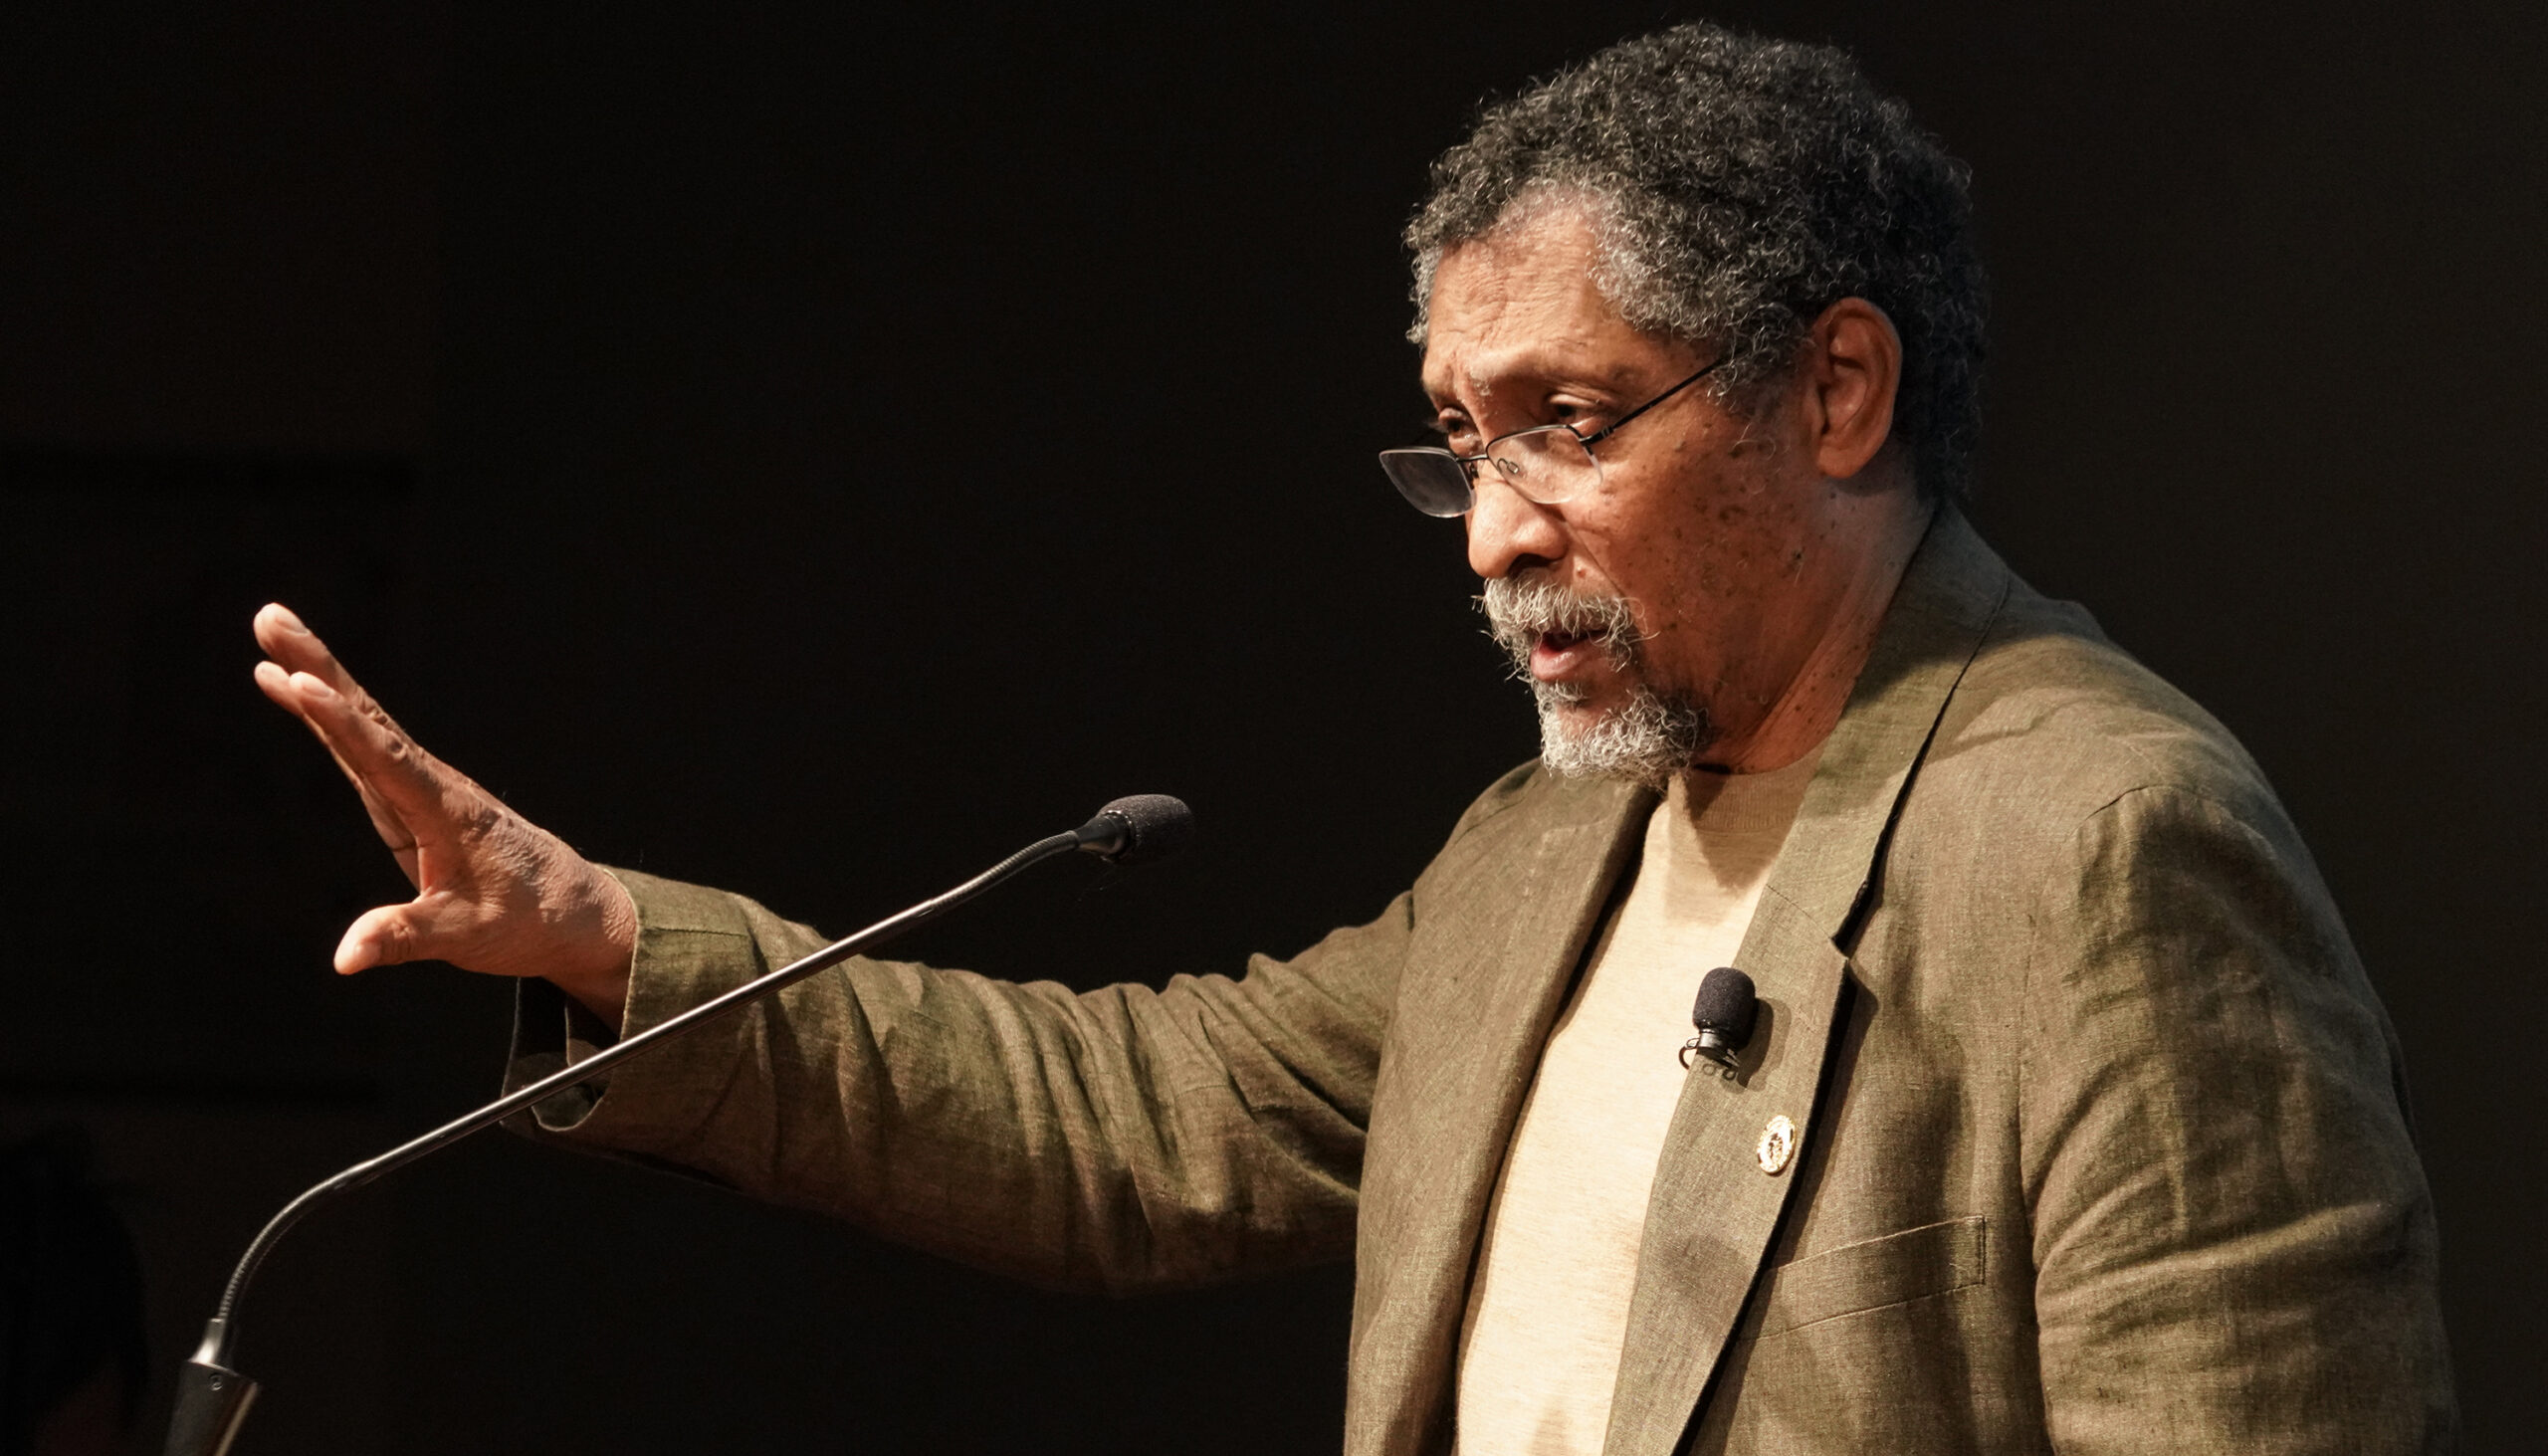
(1534, 366)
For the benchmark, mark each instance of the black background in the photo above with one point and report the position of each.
(813, 454)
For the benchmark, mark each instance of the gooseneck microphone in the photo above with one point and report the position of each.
(213, 1397)
(1723, 1013)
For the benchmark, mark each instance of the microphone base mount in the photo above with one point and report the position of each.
(212, 1402)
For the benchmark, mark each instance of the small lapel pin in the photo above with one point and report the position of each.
(1777, 1145)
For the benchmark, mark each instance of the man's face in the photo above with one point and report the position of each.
(1709, 526)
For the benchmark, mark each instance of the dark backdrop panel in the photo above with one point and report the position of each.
(168, 853)
(860, 447)
(176, 873)
(220, 224)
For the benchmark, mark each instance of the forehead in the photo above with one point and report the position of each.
(1520, 303)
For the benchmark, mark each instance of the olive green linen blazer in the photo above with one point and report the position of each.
(2101, 1140)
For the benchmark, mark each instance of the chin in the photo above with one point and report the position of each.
(1640, 736)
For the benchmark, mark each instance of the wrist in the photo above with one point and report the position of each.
(598, 976)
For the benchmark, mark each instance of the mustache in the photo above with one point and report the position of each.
(1520, 612)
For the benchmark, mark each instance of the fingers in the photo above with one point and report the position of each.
(294, 650)
(297, 648)
(413, 787)
(277, 685)
(397, 780)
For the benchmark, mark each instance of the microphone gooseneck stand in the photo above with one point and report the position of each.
(213, 1397)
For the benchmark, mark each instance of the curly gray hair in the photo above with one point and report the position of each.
(1738, 186)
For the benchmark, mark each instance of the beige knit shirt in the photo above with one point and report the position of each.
(1548, 1312)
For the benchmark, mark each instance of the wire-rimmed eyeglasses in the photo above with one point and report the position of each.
(1546, 463)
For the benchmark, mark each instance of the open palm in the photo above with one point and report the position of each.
(495, 893)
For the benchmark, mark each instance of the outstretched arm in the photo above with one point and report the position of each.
(495, 893)
(1118, 1140)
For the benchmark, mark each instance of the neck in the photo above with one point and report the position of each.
(1805, 714)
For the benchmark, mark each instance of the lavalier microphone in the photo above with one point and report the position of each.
(1723, 1013)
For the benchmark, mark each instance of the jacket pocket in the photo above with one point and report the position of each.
(1934, 1259)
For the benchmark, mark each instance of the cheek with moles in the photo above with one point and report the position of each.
(1707, 538)
(1722, 547)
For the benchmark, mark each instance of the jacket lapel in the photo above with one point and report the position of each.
(1714, 1207)
(1472, 1016)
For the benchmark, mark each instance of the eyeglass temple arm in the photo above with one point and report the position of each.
(1612, 428)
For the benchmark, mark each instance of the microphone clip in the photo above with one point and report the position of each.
(1712, 1045)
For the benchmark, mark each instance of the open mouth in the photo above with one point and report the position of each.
(1559, 640)
(1556, 656)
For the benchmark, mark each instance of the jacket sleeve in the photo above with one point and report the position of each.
(1116, 1139)
(2234, 1242)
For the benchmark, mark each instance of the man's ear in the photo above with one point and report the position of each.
(1853, 365)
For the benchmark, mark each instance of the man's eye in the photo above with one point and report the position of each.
(1567, 412)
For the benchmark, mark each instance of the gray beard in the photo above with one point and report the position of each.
(1646, 741)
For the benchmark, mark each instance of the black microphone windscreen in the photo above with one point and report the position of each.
(1155, 825)
(1726, 1005)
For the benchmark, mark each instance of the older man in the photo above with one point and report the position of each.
(2070, 1121)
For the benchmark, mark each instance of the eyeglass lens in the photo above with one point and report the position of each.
(1433, 481)
(1545, 465)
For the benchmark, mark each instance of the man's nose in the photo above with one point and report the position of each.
(1509, 533)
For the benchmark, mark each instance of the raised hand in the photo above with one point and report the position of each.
(495, 893)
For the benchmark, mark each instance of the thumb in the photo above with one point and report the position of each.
(393, 935)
